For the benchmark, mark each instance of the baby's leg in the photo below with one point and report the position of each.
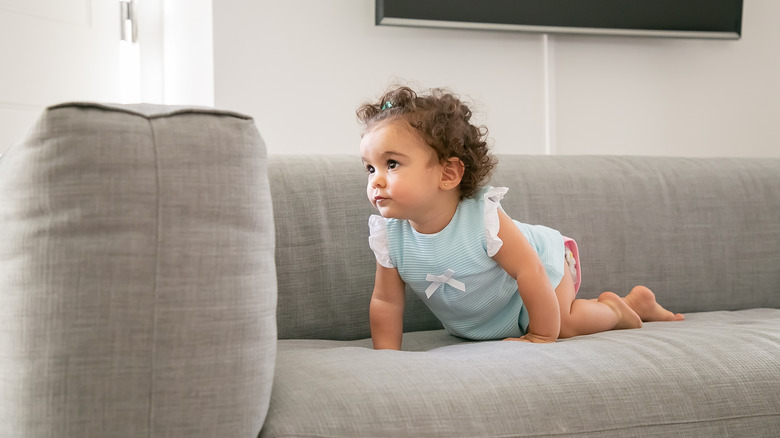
(642, 301)
(583, 317)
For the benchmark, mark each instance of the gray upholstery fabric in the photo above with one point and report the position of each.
(324, 267)
(137, 279)
(715, 374)
(702, 233)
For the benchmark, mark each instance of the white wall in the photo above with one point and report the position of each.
(672, 97)
(175, 43)
(301, 67)
(188, 73)
(53, 51)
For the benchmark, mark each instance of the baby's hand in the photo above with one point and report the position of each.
(530, 337)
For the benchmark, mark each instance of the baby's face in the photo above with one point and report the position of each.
(403, 173)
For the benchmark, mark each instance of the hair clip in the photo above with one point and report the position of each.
(387, 105)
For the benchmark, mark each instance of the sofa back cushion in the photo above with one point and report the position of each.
(137, 292)
(703, 233)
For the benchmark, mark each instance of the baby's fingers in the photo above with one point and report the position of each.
(530, 337)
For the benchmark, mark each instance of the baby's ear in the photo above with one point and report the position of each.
(452, 173)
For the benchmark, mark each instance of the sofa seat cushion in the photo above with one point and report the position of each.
(714, 374)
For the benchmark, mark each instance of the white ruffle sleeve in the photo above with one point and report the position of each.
(377, 240)
(493, 199)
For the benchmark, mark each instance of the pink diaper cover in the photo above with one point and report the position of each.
(572, 257)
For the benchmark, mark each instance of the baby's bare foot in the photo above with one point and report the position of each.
(627, 317)
(642, 301)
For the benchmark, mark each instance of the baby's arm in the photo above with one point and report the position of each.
(386, 312)
(520, 260)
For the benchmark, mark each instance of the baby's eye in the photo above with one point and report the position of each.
(392, 164)
(370, 169)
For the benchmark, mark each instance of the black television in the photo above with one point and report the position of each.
(661, 18)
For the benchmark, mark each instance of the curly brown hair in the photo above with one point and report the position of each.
(443, 122)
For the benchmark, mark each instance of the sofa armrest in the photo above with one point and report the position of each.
(137, 276)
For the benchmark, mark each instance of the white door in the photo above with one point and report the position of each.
(53, 51)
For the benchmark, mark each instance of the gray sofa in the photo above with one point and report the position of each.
(161, 277)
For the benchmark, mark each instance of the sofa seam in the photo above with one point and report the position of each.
(172, 112)
(154, 316)
(590, 431)
(646, 425)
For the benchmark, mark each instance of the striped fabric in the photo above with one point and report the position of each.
(453, 274)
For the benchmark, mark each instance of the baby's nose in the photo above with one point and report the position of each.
(378, 180)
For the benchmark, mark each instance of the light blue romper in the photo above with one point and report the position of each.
(454, 273)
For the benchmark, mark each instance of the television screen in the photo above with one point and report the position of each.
(664, 18)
